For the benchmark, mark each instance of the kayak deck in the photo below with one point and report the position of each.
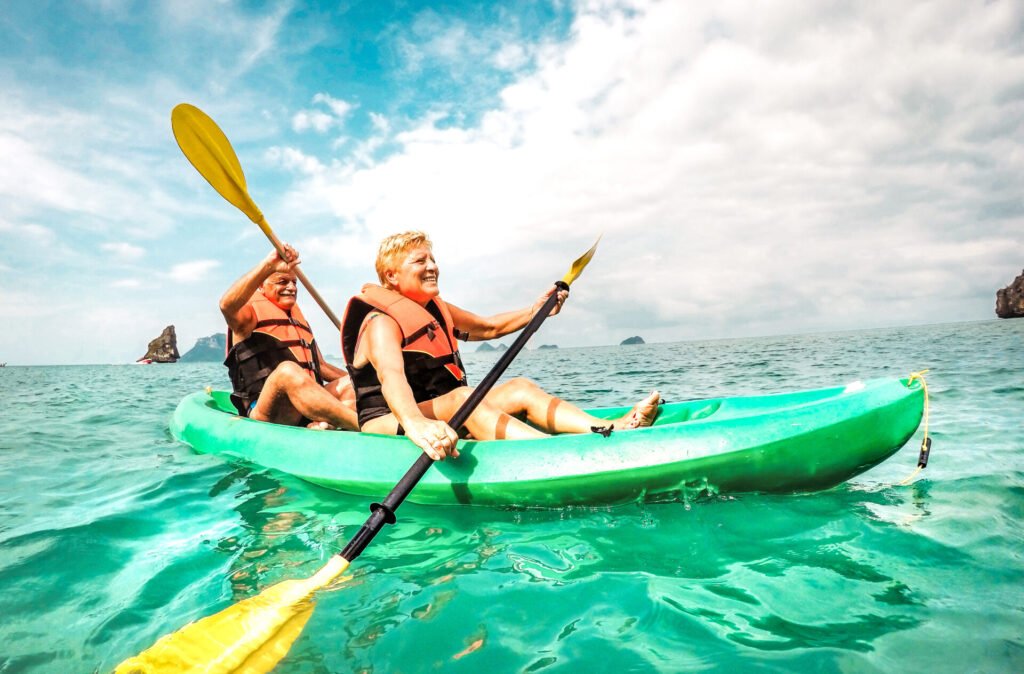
(790, 442)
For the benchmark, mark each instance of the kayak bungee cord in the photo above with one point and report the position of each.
(926, 443)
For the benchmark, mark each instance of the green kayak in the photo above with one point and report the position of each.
(791, 442)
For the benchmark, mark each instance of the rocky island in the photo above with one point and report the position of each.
(207, 349)
(488, 347)
(636, 339)
(163, 349)
(1010, 300)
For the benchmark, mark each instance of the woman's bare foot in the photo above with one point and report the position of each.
(319, 426)
(642, 414)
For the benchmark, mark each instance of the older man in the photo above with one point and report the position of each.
(275, 365)
(400, 342)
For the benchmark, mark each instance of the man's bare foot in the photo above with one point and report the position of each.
(319, 426)
(642, 414)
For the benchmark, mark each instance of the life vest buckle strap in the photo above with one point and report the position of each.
(427, 330)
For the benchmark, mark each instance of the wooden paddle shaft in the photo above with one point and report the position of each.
(384, 513)
(298, 272)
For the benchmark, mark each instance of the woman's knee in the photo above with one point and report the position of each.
(522, 384)
(517, 393)
(462, 394)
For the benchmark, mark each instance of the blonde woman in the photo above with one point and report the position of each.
(400, 340)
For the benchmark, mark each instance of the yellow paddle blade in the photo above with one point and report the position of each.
(247, 638)
(581, 262)
(209, 150)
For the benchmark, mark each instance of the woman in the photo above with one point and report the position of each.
(400, 342)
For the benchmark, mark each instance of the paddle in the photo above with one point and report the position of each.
(254, 634)
(209, 150)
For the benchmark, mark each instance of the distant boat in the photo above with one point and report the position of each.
(143, 361)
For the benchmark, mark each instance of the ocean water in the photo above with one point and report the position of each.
(112, 534)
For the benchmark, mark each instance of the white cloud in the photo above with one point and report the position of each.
(192, 272)
(786, 162)
(322, 121)
(338, 107)
(510, 57)
(125, 251)
(304, 120)
(126, 283)
(36, 235)
(380, 123)
(295, 160)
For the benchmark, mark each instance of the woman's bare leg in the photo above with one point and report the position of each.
(554, 415)
(487, 422)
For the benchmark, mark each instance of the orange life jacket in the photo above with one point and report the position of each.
(279, 335)
(430, 349)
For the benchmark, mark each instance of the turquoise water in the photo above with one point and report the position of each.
(112, 534)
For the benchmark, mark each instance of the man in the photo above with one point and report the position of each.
(275, 365)
(399, 340)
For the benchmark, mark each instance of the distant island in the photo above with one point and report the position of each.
(210, 349)
(1010, 300)
(164, 349)
(548, 346)
(489, 347)
(636, 339)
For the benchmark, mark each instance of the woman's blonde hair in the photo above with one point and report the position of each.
(393, 247)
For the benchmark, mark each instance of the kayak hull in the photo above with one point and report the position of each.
(784, 443)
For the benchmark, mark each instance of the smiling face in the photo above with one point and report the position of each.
(280, 288)
(415, 275)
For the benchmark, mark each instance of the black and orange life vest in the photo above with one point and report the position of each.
(279, 335)
(430, 349)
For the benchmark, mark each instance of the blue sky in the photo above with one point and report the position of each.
(793, 167)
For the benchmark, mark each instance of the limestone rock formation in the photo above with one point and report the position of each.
(1010, 300)
(636, 339)
(163, 349)
(207, 349)
(548, 346)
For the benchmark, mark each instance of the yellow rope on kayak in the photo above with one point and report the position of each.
(926, 444)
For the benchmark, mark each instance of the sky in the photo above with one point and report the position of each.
(756, 168)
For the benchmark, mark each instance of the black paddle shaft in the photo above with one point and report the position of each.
(384, 513)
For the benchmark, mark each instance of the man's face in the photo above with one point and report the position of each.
(280, 288)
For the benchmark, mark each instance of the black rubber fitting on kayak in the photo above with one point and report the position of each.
(926, 449)
(605, 431)
(389, 514)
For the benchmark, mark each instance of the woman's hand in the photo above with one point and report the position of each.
(434, 437)
(539, 304)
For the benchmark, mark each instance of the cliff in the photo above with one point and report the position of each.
(1010, 300)
(207, 349)
(163, 349)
